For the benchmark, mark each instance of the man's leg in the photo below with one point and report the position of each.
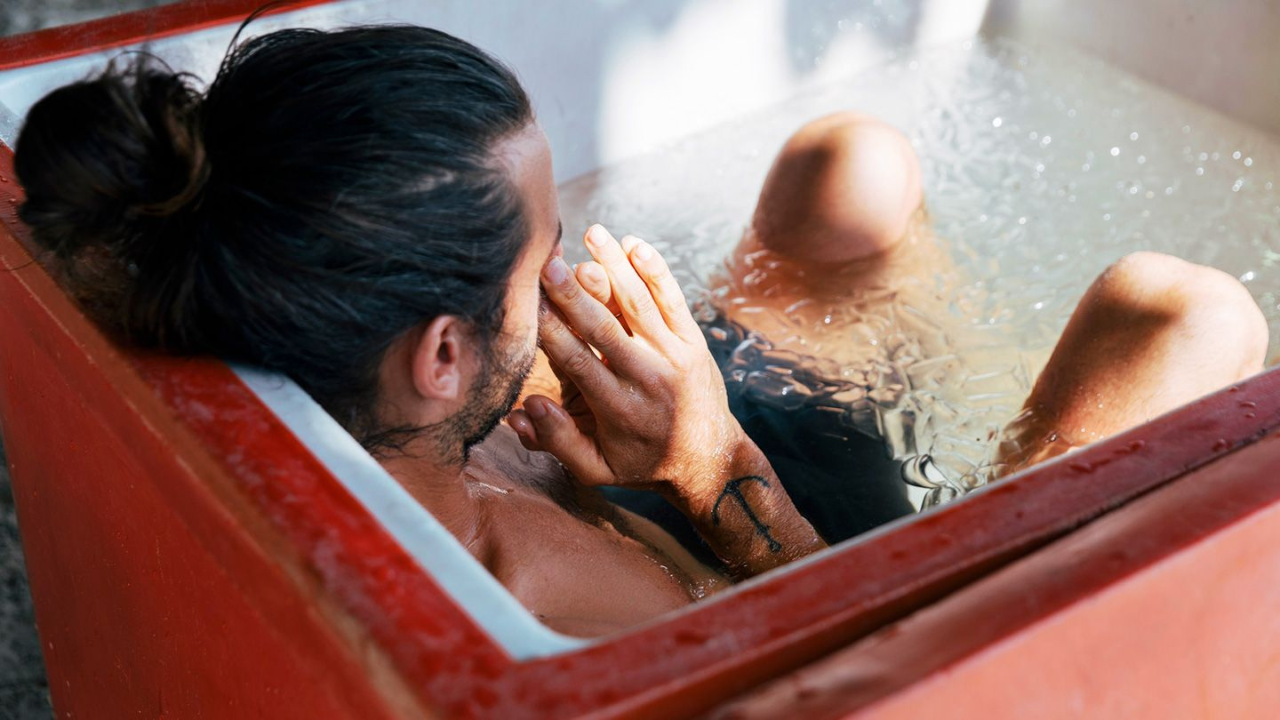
(843, 188)
(1151, 334)
(837, 229)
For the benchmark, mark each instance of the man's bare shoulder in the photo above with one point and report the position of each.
(503, 462)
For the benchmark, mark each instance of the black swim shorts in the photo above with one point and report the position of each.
(837, 470)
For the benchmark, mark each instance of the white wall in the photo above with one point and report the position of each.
(612, 78)
(1221, 53)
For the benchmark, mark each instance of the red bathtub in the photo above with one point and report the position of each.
(203, 542)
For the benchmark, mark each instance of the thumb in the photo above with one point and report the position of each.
(559, 435)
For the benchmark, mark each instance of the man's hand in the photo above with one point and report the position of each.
(654, 394)
(644, 404)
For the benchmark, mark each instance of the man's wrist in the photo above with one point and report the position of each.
(696, 495)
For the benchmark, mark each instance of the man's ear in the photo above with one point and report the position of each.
(437, 359)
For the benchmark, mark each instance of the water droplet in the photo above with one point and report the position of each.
(1236, 155)
(1142, 159)
(1220, 444)
(1133, 136)
(1248, 162)
(1199, 171)
(997, 122)
(1115, 151)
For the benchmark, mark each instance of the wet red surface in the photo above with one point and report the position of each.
(129, 28)
(1164, 608)
(188, 554)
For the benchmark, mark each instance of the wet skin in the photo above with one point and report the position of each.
(525, 501)
(626, 393)
(840, 220)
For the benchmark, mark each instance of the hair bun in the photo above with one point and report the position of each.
(113, 170)
(107, 161)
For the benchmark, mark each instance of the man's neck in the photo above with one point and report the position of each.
(438, 486)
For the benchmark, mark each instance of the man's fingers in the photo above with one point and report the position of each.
(590, 320)
(570, 356)
(557, 434)
(667, 295)
(520, 422)
(634, 300)
(592, 277)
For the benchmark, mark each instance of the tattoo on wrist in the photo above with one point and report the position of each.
(733, 489)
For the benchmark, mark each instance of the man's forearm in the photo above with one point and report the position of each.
(746, 516)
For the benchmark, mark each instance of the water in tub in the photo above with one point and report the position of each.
(1041, 167)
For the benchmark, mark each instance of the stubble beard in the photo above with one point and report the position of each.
(492, 396)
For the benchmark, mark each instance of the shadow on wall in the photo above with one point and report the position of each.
(810, 32)
(635, 75)
(707, 53)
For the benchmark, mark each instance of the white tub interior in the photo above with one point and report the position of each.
(614, 80)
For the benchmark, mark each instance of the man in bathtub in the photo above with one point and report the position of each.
(371, 211)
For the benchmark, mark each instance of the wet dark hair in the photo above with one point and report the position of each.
(329, 193)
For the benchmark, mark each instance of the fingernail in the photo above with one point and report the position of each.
(643, 251)
(557, 271)
(596, 235)
(536, 410)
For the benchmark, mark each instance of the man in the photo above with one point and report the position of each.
(372, 212)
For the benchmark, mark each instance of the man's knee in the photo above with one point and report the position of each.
(1203, 304)
(843, 187)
